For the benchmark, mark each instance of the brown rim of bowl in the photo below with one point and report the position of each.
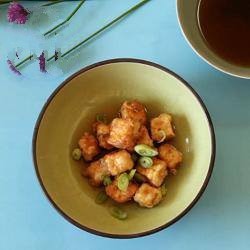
(141, 234)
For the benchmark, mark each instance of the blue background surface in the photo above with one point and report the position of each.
(221, 218)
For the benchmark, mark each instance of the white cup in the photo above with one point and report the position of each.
(188, 20)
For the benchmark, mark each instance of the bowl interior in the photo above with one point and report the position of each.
(102, 89)
(187, 14)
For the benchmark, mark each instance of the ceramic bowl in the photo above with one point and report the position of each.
(187, 12)
(101, 88)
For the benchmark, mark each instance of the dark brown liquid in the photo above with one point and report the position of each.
(225, 25)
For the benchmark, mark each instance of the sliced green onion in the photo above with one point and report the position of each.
(118, 213)
(123, 181)
(145, 150)
(139, 178)
(77, 154)
(164, 189)
(131, 174)
(101, 197)
(107, 181)
(146, 162)
(163, 136)
(101, 118)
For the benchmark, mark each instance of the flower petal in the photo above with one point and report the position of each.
(56, 55)
(13, 68)
(42, 62)
(17, 13)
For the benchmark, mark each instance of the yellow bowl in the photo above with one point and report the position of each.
(101, 88)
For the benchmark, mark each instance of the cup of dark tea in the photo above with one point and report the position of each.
(219, 31)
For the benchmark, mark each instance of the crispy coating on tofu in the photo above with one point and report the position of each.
(89, 146)
(123, 133)
(155, 174)
(136, 130)
(102, 133)
(144, 137)
(121, 196)
(148, 196)
(171, 156)
(118, 162)
(134, 110)
(96, 172)
(120, 171)
(162, 125)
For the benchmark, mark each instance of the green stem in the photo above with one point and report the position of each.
(66, 20)
(54, 2)
(102, 29)
(54, 28)
(24, 60)
(47, 4)
(5, 2)
(91, 36)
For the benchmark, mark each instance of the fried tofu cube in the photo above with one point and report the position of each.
(96, 172)
(121, 196)
(155, 174)
(134, 110)
(118, 162)
(144, 137)
(123, 133)
(102, 133)
(171, 156)
(148, 196)
(161, 128)
(89, 146)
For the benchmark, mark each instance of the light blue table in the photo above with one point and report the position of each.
(221, 218)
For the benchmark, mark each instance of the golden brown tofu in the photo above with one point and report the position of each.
(89, 146)
(118, 162)
(134, 110)
(161, 128)
(155, 174)
(171, 156)
(102, 134)
(123, 133)
(121, 196)
(96, 172)
(144, 137)
(94, 127)
(148, 196)
(136, 130)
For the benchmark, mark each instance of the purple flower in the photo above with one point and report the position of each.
(42, 62)
(56, 55)
(13, 68)
(17, 13)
